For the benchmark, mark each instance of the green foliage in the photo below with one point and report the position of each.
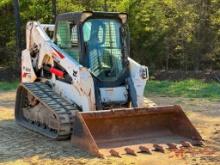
(187, 88)
(7, 33)
(6, 86)
(168, 34)
(40, 10)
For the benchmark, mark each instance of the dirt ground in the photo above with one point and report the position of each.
(20, 146)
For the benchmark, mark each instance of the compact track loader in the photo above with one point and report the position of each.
(80, 83)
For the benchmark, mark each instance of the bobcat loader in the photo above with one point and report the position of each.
(80, 83)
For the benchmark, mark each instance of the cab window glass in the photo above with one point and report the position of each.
(67, 38)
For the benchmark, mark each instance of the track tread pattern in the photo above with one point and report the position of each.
(54, 103)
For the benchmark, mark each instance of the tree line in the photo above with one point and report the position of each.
(168, 34)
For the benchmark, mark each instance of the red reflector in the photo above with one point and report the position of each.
(24, 74)
(57, 72)
(58, 53)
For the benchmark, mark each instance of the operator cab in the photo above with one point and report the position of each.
(97, 40)
(103, 45)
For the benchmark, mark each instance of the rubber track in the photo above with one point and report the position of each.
(54, 103)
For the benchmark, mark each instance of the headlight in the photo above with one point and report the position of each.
(123, 17)
(144, 72)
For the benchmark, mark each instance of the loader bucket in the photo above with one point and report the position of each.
(133, 130)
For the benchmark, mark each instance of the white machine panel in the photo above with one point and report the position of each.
(117, 94)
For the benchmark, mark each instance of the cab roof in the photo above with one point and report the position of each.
(76, 17)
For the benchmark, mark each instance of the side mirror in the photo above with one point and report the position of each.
(144, 73)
